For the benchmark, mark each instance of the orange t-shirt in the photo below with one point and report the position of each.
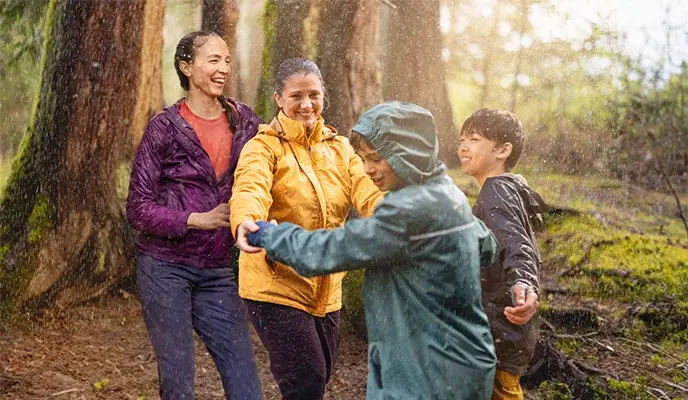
(215, 137)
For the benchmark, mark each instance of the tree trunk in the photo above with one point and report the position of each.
(222, 17)
(489, 55)
(283, 24)
(524, 12)
(347, 61)
(413, 67)
(63, 233)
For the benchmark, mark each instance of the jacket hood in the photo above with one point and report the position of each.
(405, 135)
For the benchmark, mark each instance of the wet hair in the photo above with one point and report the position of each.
(296, 66)
(499, 126)
(358, 141)
(186, 51)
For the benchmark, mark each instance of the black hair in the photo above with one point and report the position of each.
(499, 126)
(186, 51)
(294, 66)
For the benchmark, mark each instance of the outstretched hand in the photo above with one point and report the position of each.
(526, 305)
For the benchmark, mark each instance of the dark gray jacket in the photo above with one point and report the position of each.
(503, 210)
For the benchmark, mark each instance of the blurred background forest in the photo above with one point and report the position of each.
(601, 88)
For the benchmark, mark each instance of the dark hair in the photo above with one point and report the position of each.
(294, 66)
(358, 141)
(499, 126)
(186, 51)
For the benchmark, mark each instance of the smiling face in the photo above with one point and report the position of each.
(209, 68)
(302, 98)
(377, 168)
(480, 157)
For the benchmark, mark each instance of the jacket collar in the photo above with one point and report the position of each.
(295, 131)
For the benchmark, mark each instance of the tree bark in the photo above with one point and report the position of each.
(346, 59)
(283, 24)
(222, 17)
(413, 69)
(524, 12)
(63, 235)
(489, 55)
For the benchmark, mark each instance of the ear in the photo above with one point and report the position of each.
(185, 67)
(278, 99)
(504, 151)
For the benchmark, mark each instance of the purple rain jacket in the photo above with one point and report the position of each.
(172, 177)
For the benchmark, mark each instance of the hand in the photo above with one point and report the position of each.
(215, 218)
(525, 307)
(242, 235)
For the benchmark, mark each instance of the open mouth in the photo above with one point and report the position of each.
(219, 81)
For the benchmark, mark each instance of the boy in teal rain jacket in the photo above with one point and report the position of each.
(428, 335)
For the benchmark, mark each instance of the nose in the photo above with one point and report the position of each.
(462, 147)
(368, 168)
(306, 103)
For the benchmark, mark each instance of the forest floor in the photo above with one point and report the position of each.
(102, 351)
(614, 302)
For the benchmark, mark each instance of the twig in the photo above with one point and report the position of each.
(65, 392)
(673, 385)
(567, 336)
(651, 347)
(662, 394)
(389, 4)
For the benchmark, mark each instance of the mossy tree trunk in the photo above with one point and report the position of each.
(346, 42)
(283, 25)
(63, 236)
(222, 16)
(413, 69)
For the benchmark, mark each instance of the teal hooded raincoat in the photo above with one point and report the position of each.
(422, 249)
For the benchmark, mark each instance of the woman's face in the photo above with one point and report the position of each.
(302, 98)
(209, 69)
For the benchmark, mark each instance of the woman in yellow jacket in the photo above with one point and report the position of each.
(296, 169)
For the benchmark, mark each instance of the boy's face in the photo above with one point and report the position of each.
(481, 157)
(376, 167)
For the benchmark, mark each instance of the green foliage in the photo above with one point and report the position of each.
(585, 104)
(21, 36)
(352, 301)
(650, 136)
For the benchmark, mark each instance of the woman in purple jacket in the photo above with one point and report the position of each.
(180, 185)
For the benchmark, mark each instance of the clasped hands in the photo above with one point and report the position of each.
(248, 235)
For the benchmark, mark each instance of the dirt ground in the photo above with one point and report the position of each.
(102, 351)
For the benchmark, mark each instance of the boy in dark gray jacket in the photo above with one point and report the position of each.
(490, 145)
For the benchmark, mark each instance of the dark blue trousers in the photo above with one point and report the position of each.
(177, 300)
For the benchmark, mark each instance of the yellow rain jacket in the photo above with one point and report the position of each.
(310, 180)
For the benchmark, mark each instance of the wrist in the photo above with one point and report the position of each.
(193, 222)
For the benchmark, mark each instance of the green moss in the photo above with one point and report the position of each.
(122, 176)
(554, 391)
(40, 221)
(570, 347)
(619, 390)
